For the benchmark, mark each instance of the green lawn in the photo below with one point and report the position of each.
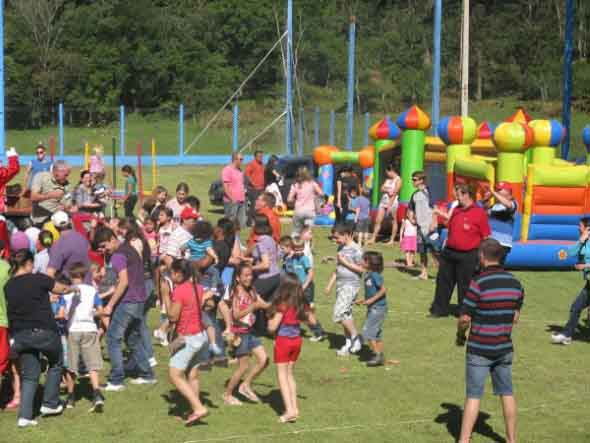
(418, 400)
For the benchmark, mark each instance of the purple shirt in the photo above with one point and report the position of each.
(265, 245)
(363, 204)
(134, 293)
(72, 247)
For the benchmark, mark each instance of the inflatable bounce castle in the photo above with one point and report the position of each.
(552, 194)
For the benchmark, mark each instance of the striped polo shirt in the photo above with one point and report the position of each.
(491, 301)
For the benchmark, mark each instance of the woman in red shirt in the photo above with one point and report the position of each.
(287, 312)
(184, 309)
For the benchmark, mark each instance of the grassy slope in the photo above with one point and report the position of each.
(416, 401)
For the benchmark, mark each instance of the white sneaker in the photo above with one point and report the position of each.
(114, 388)
(561, 339)
(343, 351)
(143, 381)
(153, 362)
(316, 338)
(45, 410)
(356, 345)
(25, 423)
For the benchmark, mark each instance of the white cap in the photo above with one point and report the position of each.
(60, 219)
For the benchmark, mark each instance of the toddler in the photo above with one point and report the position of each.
(408, 235)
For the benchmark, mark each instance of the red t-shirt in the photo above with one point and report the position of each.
(189, 322)
(255, 173)
(467, 228)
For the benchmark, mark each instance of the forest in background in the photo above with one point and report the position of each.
(94, 55)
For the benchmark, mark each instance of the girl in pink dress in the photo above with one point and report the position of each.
(409, 237)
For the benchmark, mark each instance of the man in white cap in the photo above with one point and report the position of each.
(72, 247)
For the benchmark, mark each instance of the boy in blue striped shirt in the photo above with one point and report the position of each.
(490, 308)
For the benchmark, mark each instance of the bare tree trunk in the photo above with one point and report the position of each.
(479, 76)
(557, 4)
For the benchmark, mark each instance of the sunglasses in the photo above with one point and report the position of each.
(416, 179)
(40, 152)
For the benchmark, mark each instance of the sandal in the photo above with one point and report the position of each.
(287, 418)
(249, 394)
(231, 401)
(12, 405)
(195, 417)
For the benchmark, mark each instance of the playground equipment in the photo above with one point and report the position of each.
(551, 194)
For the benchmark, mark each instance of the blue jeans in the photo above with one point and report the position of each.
(580, 303)
(235, 211)
(127, 322)
(30, 344)
(146, 336)
(477, 369)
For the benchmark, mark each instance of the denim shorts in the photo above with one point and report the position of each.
(194, 351)
(248, 342)
(373, 327)
(477, 369)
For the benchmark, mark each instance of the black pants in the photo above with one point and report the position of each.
(341, 214)
(266, 288)
(456, 268)
(129, 205)
(252, 195)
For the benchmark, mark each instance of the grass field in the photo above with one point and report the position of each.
(418, 400)
(254, 118)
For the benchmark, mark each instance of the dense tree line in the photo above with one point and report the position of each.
(97, 54)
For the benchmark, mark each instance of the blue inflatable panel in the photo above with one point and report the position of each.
(540, 255)
(553, 232)
(323, 220)
(556, 219)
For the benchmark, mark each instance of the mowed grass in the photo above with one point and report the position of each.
(418, 400)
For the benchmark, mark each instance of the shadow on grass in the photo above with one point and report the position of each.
(179, 407)
(582, 333)
(336, 341)
(218, 211)
(452, 419)
(275, 400)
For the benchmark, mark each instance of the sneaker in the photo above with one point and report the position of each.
(97, 403)
(46, 410)
(161, 337)
(110, 387)
(356, 345)
(25, 423)
(70, 402)
(153, 362)
(561, 339)
(343, 351)
(317, 338)
(377, 360)
(143, 381)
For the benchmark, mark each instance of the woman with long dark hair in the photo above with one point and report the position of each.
(34, 331)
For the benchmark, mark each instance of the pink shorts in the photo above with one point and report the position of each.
(287, 349)
(409, 244)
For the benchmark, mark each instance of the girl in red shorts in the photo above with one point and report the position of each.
(287, 312)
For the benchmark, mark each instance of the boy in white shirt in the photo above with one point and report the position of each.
(83, 339)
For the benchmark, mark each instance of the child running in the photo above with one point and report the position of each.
(376, 304)
(287, 311)
(245, 301)
(347, 278)
(408, 237)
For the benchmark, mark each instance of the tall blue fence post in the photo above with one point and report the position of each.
(567, 77)
(235, 127)
(350, 99)
(289, 82)
(181, 131)
(316, 127)
(332, 138)
(300, 132)
(436, 66)
(122, 130)
(367, 127)
(60, 112)
(2, 128)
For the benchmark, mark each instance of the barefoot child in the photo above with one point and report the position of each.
(288, 310)
(408, 237)
(245, 301)
(347, 278)
(376, 304)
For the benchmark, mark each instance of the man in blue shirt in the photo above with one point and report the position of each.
(39, 164)
(582, 250)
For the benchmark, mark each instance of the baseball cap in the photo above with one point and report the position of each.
(60, 219)
(189, 213)
(503, 186)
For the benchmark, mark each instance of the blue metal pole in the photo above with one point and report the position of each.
(332, 127)
(301, 145)
(436, 66)
(350, 99)
(367, 127)
(181, 130)
(289, 86)
(567, 77)
(122, 130)
(235, 127)
(61, 129)
(2, 129)
(316, 127)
